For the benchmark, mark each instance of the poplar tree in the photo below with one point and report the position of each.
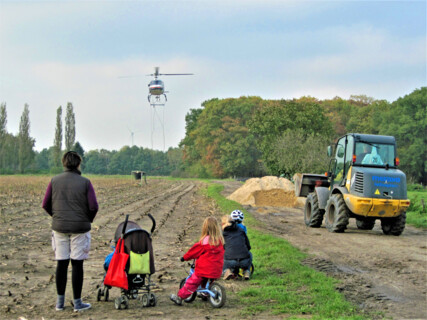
(25, 142)
(70, 127)
(57, 144)
(3, 132)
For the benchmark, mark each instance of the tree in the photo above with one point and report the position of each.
(26, 143)
(407, 122)
(42, 159)
(3, 132)
(79, 149)
(97, 162)
(70, 127)
(218, 142)
(10, 154)
(174, 156)
(57, 143)
(275, 117)
(297, 151)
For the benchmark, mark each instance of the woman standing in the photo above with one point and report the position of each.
(71, 202)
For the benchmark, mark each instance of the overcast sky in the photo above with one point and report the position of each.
(54, 52)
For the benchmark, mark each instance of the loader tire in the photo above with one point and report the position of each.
(337, 214)
(394, 226)
(365, 223)
(313, 216)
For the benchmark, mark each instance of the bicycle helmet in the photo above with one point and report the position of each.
(237, 215)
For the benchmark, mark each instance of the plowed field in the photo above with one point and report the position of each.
(379, 272)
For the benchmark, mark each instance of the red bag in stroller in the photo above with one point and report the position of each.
(116, 275)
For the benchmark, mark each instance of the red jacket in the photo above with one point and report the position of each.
(210, 259)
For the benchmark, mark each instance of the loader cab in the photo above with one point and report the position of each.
(360, 150)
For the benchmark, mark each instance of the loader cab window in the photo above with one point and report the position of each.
(339, 157)
(375, 154)
(348, 154)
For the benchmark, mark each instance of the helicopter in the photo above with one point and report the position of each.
(156, 87)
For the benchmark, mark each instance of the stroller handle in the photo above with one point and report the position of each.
(124, 225)
(154, 222)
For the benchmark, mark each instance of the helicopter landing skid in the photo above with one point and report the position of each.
(157, 100)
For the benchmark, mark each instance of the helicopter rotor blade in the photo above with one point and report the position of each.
(176, 74)
(169, 74)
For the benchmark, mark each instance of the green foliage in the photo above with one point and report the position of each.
(128, 159)
(42, 160)
(416, 187)
(57, 143)
(70, 127)
(3, 134)
(417, 211)
(276, 117)
(218, 142)
(25, 142)
(97, 161)
(407, 121)
(295, 151)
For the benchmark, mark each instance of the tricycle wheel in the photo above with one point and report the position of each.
(190, 298)
(220, 296)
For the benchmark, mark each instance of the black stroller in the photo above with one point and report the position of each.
(137, 243)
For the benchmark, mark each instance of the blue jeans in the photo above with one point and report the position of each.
(245, 264)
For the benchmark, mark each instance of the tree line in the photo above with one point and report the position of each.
(239, 137)
(249, 136)
(17, 154)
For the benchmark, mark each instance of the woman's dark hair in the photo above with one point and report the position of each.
(71, 160)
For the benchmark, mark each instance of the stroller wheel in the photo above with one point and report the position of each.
(121, 302)
(118, 303)
(99, 295)
(106, 294)
(125, 302)
(145, 300)
(153, 299)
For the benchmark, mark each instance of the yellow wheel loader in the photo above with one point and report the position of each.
(362, 182)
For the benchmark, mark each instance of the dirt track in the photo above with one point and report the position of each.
(379, 273)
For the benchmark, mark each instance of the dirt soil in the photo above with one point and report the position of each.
(377, 272)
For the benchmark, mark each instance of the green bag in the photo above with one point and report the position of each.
(139, 263)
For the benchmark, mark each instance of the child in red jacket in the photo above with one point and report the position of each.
(209, 252)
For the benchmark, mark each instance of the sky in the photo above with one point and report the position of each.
(97, 54)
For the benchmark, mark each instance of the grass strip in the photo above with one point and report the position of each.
(281, 284)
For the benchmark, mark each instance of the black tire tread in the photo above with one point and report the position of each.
(314, 218)
(341, 217)
(394, 226)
